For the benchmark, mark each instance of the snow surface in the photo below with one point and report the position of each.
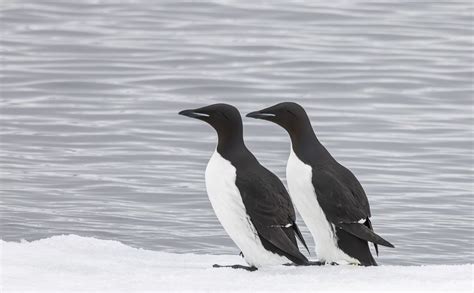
(70, 262)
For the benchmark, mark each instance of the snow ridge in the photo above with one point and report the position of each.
(71, 262)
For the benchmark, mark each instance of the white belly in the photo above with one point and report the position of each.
(299, 178)
(230, 210)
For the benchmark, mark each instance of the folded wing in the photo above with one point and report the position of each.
(271, 212)
(345, 204)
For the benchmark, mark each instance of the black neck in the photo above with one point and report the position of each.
(231, 146)
(306, 145)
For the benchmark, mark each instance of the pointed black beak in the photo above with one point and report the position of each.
(194, 113)
(262, 114)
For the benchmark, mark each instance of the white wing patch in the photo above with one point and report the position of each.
(282, 226)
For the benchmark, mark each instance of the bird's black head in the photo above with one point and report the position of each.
(224, 118)
(288, 115)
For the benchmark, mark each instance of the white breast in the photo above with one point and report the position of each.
(230, 210)
(299, 178)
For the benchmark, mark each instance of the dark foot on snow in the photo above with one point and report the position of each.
(250, 269)
(309, 263)
(316, 263)
(322, 263)
(313, 263)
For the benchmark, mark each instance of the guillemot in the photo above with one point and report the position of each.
(327, 195)
(250, 202)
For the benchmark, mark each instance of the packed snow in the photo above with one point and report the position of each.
(70, 262)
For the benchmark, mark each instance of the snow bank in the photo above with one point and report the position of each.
(65, 263)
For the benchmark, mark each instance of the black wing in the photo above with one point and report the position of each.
(340, 202)
(271, 211)
(344, 202)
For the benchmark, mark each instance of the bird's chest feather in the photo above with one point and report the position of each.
(223, 193)
(227, 203)
(300, 183)
(299, 177)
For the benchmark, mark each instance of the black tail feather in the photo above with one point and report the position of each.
(355, 247)
(363, 232)
(295, 256)
(368, 223)
(300, 236)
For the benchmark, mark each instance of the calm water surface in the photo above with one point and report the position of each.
(91, 143)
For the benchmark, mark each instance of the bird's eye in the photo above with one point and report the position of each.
(292, 113)
(225, 116)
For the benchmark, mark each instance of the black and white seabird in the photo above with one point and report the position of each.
(328, 196)
(250, 202)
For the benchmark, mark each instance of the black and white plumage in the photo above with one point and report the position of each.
(328, 196)
(251, 203)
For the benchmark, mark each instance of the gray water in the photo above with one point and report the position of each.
(91, 143)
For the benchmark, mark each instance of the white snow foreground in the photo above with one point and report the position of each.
(74, 263)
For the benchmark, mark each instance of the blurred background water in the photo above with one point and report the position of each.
(91, 143)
